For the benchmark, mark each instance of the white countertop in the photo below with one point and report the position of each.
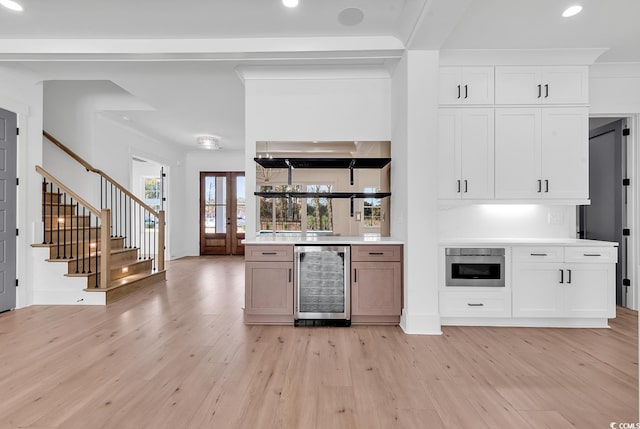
(526, 242)
(322, 239)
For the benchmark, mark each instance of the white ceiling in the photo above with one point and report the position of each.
(179, 58)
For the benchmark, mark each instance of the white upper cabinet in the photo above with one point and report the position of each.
(541, 85)
(466, 153)
(466, 85)
(542, 153)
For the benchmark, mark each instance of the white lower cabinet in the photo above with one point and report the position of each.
(551, 285)
(580, 285)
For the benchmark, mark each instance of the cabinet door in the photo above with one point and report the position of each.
(587, 290)
(376, 288)
(565, 153)
(269, 288)
(477, 153)
(450, 89)
(477, 85)
(565, 85)
(449, 130)
(517, 153)
(466, 85)
(518, 85)
(537, 290)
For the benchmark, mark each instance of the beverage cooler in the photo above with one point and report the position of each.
(322, 287)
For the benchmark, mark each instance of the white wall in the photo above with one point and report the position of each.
(414, 185)
(21, 92)
(114, 147)
(197, 161)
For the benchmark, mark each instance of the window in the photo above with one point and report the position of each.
(371, 210)
(152, 192)
(281, 215)
(319, 210)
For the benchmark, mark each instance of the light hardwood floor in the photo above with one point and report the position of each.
(177, 355)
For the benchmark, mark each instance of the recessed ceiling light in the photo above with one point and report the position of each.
(10, 4)
(571, 11)
(290, 3)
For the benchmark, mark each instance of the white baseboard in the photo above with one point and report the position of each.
(557, 322)
(420, 323)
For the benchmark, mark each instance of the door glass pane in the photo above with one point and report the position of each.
(240, 204)
(215, 193)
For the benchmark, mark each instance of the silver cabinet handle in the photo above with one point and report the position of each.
(269, 253)
(539, 91)
(546, 185)
(289, 275)
(466, 91)
(539, 185)
(561, 276)
(569, 281)
(466, 186)
(592, 254)
(471, 304)
(376, 253)
(458, 185)
(458, 91)
(355, 275)
(546, 90)
(538, 254)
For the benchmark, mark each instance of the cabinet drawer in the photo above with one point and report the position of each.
(268, 253)
(538, 254)
(591, 254)
(474, 304)
(387, 253)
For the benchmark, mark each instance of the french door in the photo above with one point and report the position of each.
(222, 213)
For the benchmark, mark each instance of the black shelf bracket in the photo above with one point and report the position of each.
(353, 162)
(289, 172)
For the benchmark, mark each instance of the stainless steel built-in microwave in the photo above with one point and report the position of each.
(475, 267)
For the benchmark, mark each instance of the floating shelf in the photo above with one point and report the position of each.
(322, 162)
(322, 194)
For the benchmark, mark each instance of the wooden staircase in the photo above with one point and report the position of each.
(85, 239)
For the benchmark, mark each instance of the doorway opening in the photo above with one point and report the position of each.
(608, 216)
(222, 213)
(149, 183)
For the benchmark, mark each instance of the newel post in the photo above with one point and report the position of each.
(105, 248)
(161, 229)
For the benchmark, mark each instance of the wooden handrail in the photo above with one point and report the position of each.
(89, 167)
(59, 184)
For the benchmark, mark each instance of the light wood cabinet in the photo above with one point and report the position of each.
(376, 284)
(541, 153)
(582, 285)
(466, 153)
(541, 85)
(269, 284)
(466, 85)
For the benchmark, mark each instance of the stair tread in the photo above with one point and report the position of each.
(71, 242)
(115, 284)
(71, 228)
(112, 267)
(86, 255)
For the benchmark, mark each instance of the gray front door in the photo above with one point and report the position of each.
(8, 174)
